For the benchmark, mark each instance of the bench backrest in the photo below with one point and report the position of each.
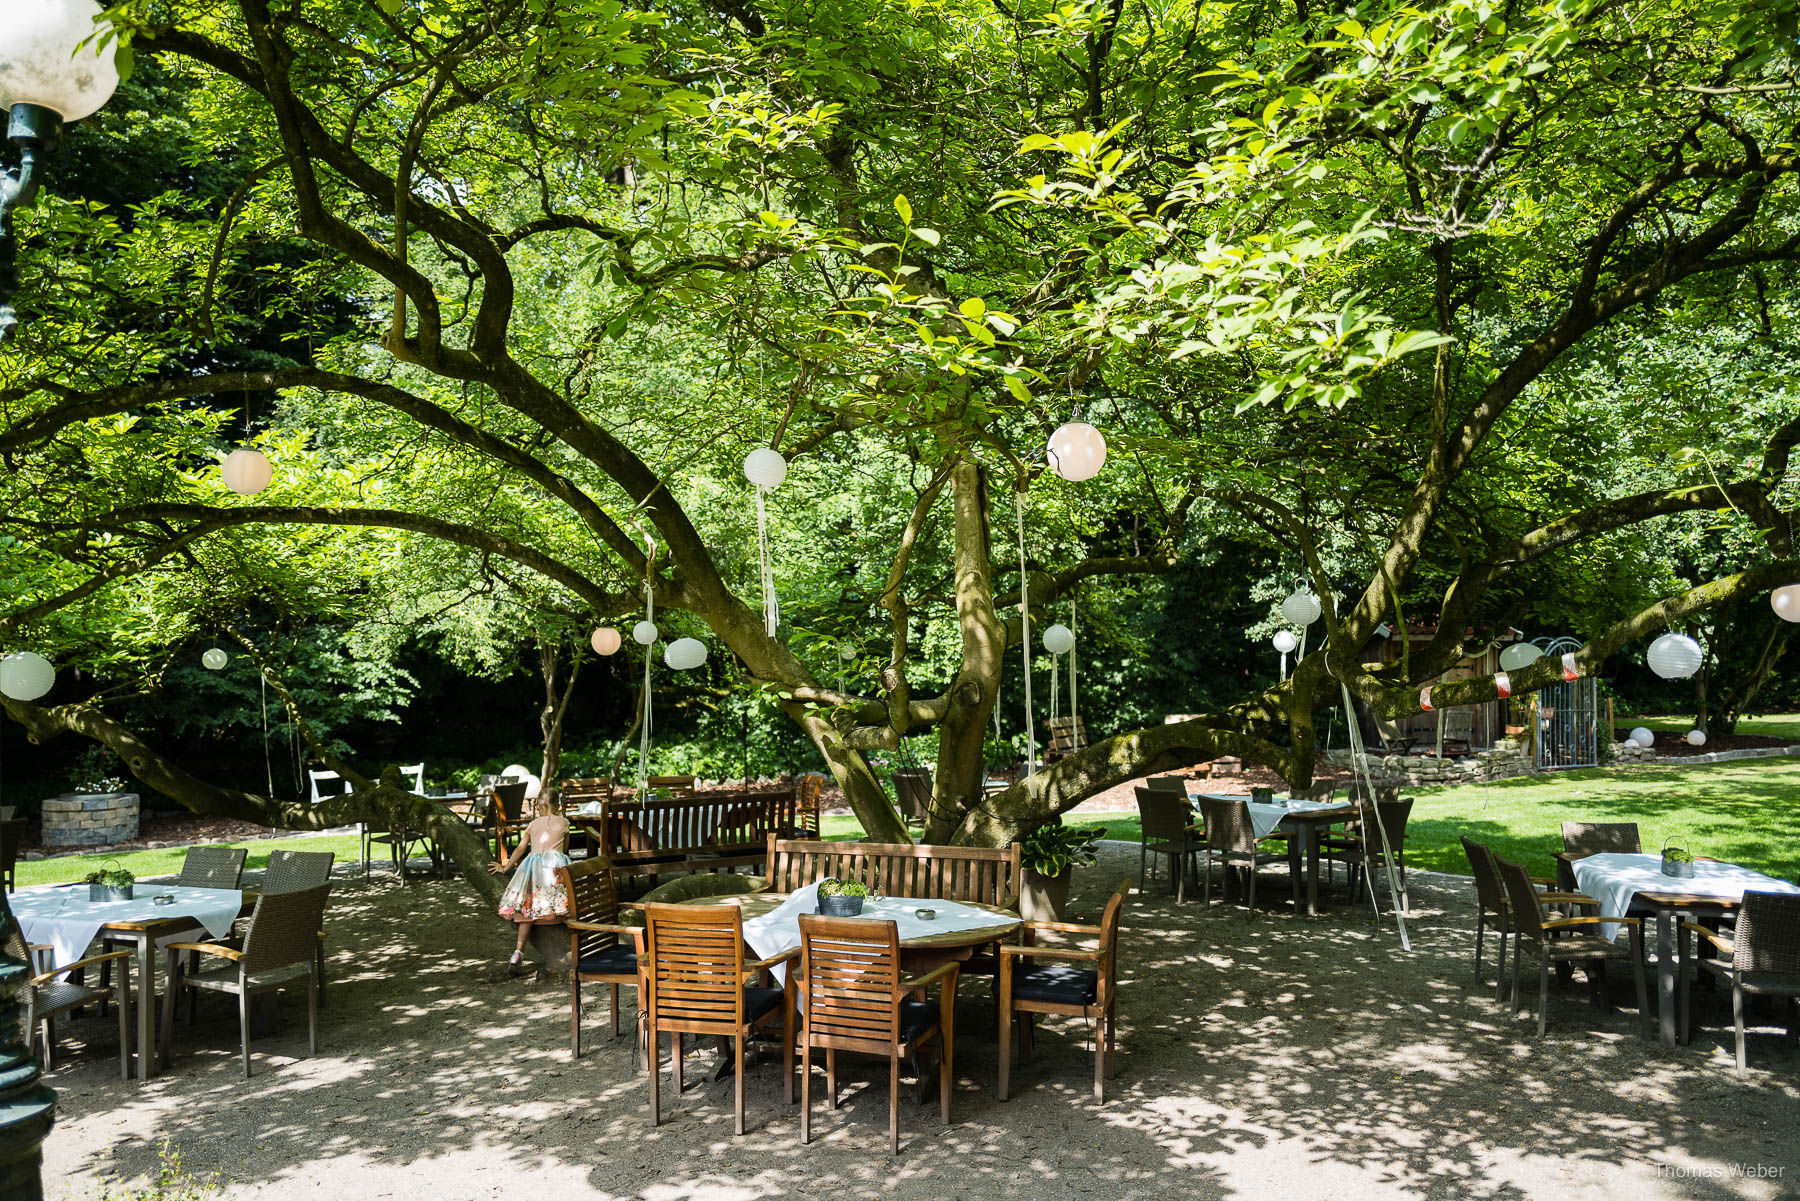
(987, 875)
(724, 823)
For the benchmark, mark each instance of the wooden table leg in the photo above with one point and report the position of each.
(1311, 835)
(146, 1006)
(1665, 973)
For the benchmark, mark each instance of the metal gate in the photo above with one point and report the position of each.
(1568, 717)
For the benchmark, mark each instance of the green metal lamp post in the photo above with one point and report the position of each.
(52, 70)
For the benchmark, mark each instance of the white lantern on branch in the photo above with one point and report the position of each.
(644, 633)
(1076, 451)
(685, 654)
(606, 641)
(1786, 602)
(1301, 607)
(246, 471)
(1674, 656)
(215, 659)
(1285, 642)
(1059, 639)
(26, 676)
(1520, 655)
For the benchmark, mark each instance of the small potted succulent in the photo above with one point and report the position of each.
(110, 884)
(842, 898)
(1048, 856)
(1677, 862)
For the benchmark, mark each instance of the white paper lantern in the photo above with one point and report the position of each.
(1641, 736)
(1674, 656)
(46, 62)
(215, 659)
(1786, 602)
(246, 471)
(1301, 608)
(644, 633)
(1059, 639)
(1520, 655)
(1285, 642)
(765, 468)
(685, 654)
(1696, 737)
(26, 676)
(606, 641)
(1077, 451)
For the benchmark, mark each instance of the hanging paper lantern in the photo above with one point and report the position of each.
(606, 641)
(685, 654)
(1786, 602)
(1642, 736)
(26, 676)
(1077, 451)
(1059, 639)
(1520, 655)
(644, 633)
(246, 471)
(846, 653)
(215, 659)
(1301, 608)
(1696, 737)
(1674, 656)
(765, 468)
(1285, 642)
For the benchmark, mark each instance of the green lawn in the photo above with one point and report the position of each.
(1773, 725)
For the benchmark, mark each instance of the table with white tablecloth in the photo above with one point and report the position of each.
(1302, 820)
(778, 930)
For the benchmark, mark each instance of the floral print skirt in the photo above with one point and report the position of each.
(535, 892)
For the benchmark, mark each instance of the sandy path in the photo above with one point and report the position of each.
(1259, 1057)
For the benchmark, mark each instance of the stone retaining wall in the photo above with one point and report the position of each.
(74, 820)
(1507, 758)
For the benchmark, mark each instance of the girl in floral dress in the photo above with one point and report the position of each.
(535, 895)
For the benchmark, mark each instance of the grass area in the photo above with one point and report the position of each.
(166, 861)
(1773, 725)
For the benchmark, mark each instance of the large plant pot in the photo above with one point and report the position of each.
(1044, 898)
(1678, 869)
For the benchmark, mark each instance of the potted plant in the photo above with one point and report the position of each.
(110, 884)
(1048, 855)
(1677, 862)
(842, 898)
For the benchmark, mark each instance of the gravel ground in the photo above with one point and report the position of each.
(1258, 1056)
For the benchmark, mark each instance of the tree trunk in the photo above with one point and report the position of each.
(556, 705)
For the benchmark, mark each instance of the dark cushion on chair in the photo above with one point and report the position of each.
(917, 1018)
(1054, 984)
(760, 1001)
(616, 960)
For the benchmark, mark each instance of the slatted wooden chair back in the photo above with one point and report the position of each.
(1489, 891)
(912, 793)
(579, 790)
(1767, 942)
(1109, 939)
(284, 929)
(1598, 838)
(1526, 910)
(673, 785)
(979, 875)
(807, 792)
(1228, 825)
(295, 871)
(592, 898)
(695, 971)
(212, 867)
(1163, 816)
(1067, 735)
(850, 980)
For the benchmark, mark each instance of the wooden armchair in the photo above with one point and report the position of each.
(1558, 939)
(856, 1000)
(675, 786)
(697, 982)
(601, 950)
(1087, 992)
(1761, 958)
(45, 997)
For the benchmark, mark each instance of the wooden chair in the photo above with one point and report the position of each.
(597, 954)
(1090, 992)
(45, 998)
(808, 790)
(506, 817)
(577, 791)
(1067, 735)
(697, 982)
(674, 786)
(1231, 841)
(1762, 958)
(912, 794)
(984, 875)
(1558, 939)
(279, 950)
(12, 836)
(856, 1000)
(1166, 826)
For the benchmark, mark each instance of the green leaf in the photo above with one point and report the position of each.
(903, 206)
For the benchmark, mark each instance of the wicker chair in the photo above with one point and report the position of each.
(279, 950)
(856, 1000)
(1090, 993)
(601, 950)
(1175, 784)
(297, 871)
(12, 835)
(45, 997)
(1596, 838)
(1762, 959)
(698, 983)
(1491, 899)
(1557, 940)
(1166, 826)
(1231, 841)
(912, 794)
(201, 867)
(1363, 846)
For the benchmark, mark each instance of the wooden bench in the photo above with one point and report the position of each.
(980, 875)
(709, 831)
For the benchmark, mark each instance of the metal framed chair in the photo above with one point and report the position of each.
(45, 997)
(1761, 958)
(1597, 838)
(1362, 846)
(1231, 841)
(1166, 826)
(1491, 900)
(1558, 939)
(854, 999)
(201, 867)
(601, 950)
(12, 836)
(912, 794)
(296, 871)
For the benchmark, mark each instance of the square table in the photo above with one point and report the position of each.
(64, 918)
(1627, 883)
(1302, 819)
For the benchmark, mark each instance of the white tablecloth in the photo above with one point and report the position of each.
(65, 918)
(1265, 817)
(779, 929)
(1614, 879)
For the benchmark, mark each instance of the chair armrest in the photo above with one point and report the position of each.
(1568, 898)
(1561, 922)
(1009, 950)
(772, 961)
(1065, 927)
(603, 928)
(1544, 880)
(1009, 903)
(1729, 946)
(908, 983)
(53, 973)
(206, 948)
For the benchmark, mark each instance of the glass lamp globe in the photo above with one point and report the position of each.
(246, 471)
(1077, 451)
(1786, 602)
(1696, 737)
(50, 56)
(1642, 736)
(1285, 642)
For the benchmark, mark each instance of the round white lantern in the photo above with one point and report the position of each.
(1674, 656)
(1520, 655)
(765, 468)
(1696, 737)
(685, 654)
(26, 676)
(644, 633)
(1077, 451)
(1301, 608)
(246, 472)
(606, 641)
(215, 659)
(1786, 602)
(1059, 639)
(47, 62)
(1641, 736)
(1285, 642)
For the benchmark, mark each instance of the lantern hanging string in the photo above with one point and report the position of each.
(268, 759)
(1075, 739)
(1359, 759)
(771, 605)
(1055, 693)
(643, 773)
(1025, 639)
